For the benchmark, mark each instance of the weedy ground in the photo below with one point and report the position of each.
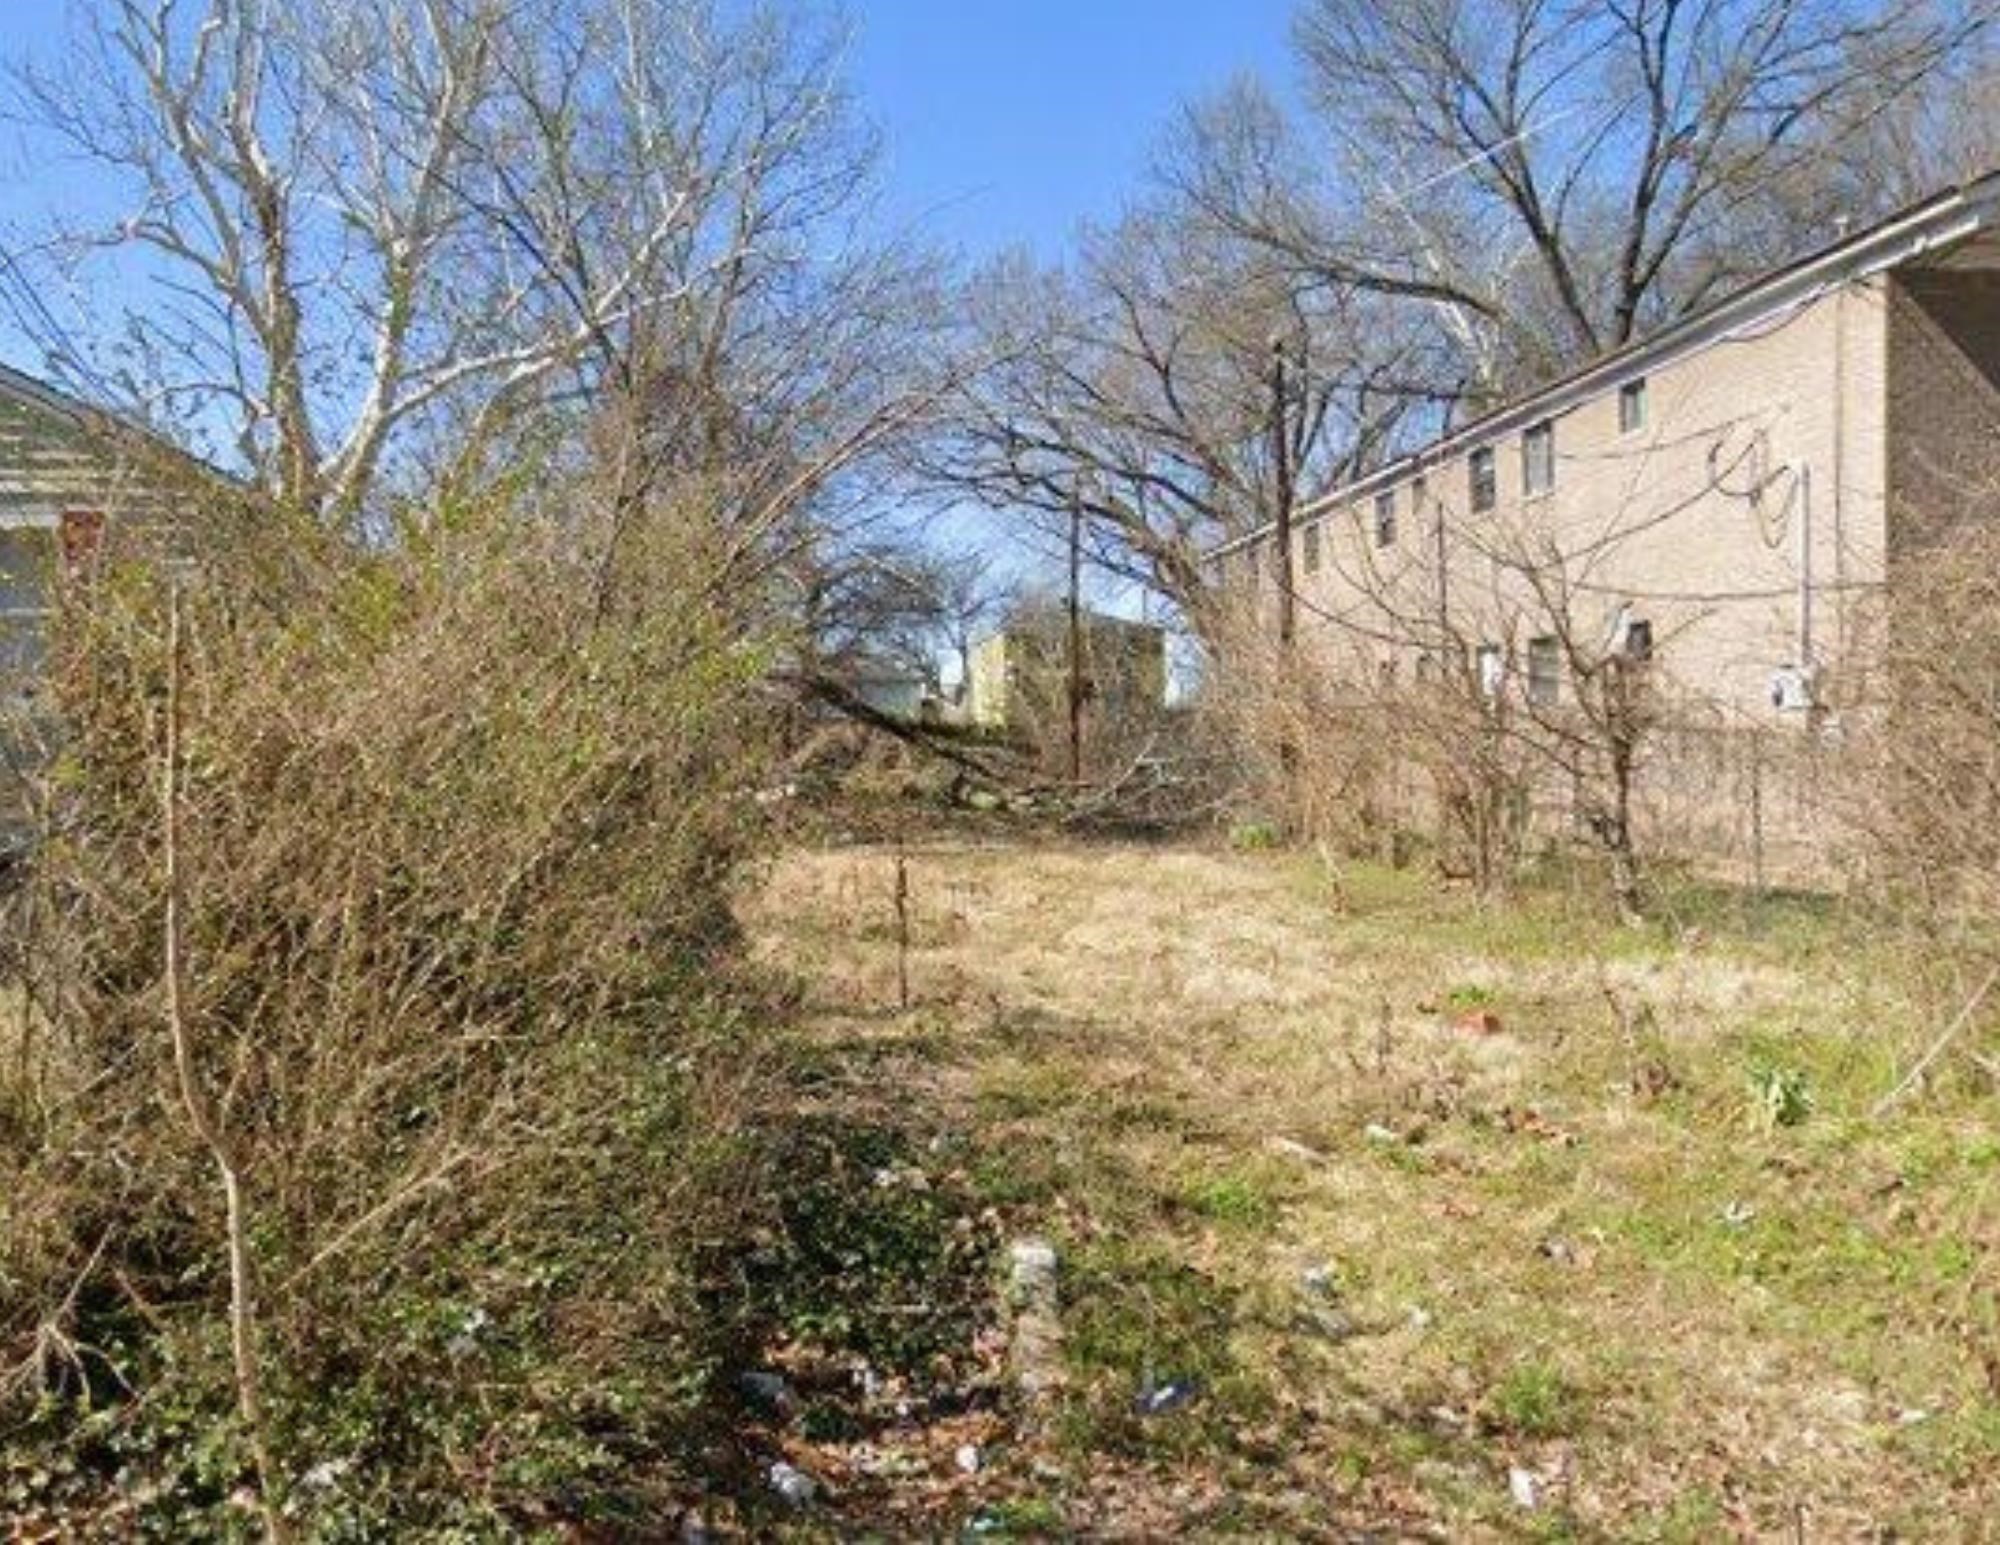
(1449, 1219)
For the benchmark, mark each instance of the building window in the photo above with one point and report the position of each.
(1637, 645)
(1485, 486)
(1385, 518)
(1632, 406)
(1309, 544)
(1544, 669)
(1492, 666)
(28, 569)
(1538, 459)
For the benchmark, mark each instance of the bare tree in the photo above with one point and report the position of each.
(785, 347)
(288, 174)
(356, 220)
(868, 602)
(1586, 699)
(1138, 391)
(973, 594)
(1552, 178)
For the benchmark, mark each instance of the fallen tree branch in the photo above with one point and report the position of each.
(834, 694)
(1937, 1047)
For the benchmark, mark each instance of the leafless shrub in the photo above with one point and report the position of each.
(1925, 739)
(1304, 736)
(450, 843)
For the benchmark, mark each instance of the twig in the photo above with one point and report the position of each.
(374, 1215)
(1938, 1046)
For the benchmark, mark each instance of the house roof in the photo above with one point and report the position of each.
(33, 390)
(53, 451)
(1925, 229)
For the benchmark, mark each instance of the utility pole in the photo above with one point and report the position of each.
(1281, 464)
(1076, 633)
(1281, 477)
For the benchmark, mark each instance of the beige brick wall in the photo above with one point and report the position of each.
(1826, 441)
(1693, 522)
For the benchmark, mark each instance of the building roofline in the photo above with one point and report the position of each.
(1942, 220)
(37, 392)
(94, 418)
(1092, 618)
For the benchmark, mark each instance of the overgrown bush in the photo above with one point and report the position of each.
(1929, 728)
(448, 841)
(1369, 761)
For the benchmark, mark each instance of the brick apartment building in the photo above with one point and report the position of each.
(1729, 497)
(1731, 493)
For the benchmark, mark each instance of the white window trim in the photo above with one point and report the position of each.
(1633, 391)
(1545, 429)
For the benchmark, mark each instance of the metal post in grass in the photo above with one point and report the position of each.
(902, 921)
(1282, 494)
(1076, 635)
(1757, 813)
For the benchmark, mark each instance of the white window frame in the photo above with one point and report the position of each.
(1482, 492)
(1538, 459)
(1632, 406)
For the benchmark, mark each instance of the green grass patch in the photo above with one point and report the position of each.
(1533, 1400)
(1234, 1198)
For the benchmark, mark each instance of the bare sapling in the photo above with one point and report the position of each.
(202, 1117)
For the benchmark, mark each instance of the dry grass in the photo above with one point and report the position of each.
(1582, 1247)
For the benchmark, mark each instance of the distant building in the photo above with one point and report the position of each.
(888, 687)
(1020, 675)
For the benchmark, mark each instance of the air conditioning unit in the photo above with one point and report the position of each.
(1629, 636)
(1795, 688)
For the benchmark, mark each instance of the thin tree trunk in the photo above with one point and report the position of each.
(1625, 881)
(242, 1294)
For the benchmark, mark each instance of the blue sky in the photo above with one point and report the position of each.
(1005, 121)
(1008, 121)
